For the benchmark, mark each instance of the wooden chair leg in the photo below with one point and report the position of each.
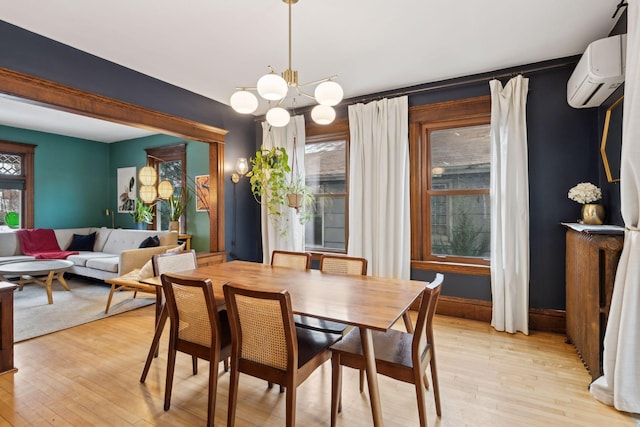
(336, 388)
(171, 363)
(281, 388)
(225, 362)
(213, 387)
(135, 293)
(362, 376)
(233, 395)
(426, 381)
(194, 362)
(113, 289)
(420, 397)
(436, 387)
(291, 405)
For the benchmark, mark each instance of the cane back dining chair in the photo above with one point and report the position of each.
(297, 260)
(196, 328)
(400, 355)
(286, 355)
(174, 263)
(333, 264)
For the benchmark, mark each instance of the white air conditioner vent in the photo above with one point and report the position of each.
(599, 72)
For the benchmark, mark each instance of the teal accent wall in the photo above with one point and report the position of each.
(132, 153)
(71, 178)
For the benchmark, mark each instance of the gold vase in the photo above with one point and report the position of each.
(592, 214)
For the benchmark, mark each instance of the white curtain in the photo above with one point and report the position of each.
(509, 206)
(379, 222)
(285, 233)
(620, 384)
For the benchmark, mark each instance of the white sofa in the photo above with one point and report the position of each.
(115, 251)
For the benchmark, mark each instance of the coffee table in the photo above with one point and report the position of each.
(28, 271)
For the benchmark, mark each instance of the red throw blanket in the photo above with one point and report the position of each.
(41, 243)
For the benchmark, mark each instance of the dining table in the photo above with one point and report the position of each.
(369, 303)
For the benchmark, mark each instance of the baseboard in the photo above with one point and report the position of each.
(543, 320)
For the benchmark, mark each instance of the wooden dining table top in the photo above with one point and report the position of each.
(364, 301)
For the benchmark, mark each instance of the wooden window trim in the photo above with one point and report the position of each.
(466, 112)
(28, 153)
(165, 153)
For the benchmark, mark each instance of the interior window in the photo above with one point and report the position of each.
(16, 186)
(450, 180)
(170, 162)
(326, 172)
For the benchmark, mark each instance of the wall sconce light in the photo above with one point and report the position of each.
(242, 167)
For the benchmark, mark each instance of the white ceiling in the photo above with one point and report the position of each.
(211, 46)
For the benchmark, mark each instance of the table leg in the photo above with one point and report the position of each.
(63, 282)
(372, 376)
(48, 286)
(155, 343)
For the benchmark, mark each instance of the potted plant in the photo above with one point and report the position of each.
(268, 178)
(142, 214)
(177, 204)
(301, 198)
(270, 186)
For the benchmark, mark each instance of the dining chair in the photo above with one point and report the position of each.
(286, 355)
(174, 263)
(400, 355)
(196, 328)
(297, 260)
(334, 264)
(289, 259)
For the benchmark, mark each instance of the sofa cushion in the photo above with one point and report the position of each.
(150, 242)
(83, 257)
(82, 242)
(104, 263)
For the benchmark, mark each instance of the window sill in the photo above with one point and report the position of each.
(452, 267)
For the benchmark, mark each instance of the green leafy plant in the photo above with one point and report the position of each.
(142, 212)
(300, 197)
(178, 203)
(270, 186)
(268, 178)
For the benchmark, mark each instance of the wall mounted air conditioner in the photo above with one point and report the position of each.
(599, 72)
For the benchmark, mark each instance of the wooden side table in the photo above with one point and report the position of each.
(208, 258)
(6, 327)
(186, 239)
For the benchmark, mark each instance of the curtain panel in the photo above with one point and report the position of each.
(285, 233)
(509, 193)
(620, 384)
(379, 213)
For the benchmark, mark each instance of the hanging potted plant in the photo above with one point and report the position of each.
(272, 186)
(142, 214)
(299, 195)
(301, 198)
(268, 178)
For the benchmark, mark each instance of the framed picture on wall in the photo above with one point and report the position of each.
(202, 193)
(126, 190)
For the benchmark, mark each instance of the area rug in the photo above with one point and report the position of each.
(85, 303)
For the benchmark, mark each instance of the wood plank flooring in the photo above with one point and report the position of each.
(88, 375)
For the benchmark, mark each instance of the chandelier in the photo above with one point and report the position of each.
(275, 87)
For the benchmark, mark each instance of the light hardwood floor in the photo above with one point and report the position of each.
(88, 375)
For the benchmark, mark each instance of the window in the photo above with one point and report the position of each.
(16, 185)
(450, 179)
(171, 163)
(325, 163)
